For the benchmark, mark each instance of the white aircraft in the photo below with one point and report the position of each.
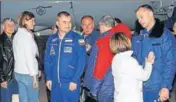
(46, 11)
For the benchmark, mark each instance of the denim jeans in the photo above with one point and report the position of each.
(26, 91)
(6, 93)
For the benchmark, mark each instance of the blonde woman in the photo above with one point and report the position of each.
(128, 74)
(25, 53)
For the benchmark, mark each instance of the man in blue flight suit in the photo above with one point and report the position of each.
(90, 36)
(65, 58)
(157, 38)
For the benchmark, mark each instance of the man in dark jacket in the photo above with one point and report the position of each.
(7, 81)
(157, 38)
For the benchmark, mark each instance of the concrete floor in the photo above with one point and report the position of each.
(43, 96)
(42, 93)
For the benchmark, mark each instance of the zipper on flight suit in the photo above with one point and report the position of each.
(59, 62)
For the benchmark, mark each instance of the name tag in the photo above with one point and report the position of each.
(68, 40)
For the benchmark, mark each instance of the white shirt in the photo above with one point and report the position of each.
(128, 77)
(25, 52)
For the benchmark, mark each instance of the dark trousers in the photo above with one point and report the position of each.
(48, 94)
(86, 96)
(6, 93)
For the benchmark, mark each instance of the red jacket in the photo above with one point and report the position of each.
(104, 55)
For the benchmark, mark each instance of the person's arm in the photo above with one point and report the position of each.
(133, 68)
(47, 64)
(47, 60)
(80, 60)
(1, 69)
(141, 73)
(169, 64)
(169, 60)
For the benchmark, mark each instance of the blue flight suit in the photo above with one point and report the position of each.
(64, 63)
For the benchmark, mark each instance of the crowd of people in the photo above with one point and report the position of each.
(105, 65)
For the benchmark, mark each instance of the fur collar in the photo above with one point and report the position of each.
(157, 30)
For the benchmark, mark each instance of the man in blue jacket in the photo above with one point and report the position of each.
(65, 58)
(89, 32)
(90, 36)
(155, 37)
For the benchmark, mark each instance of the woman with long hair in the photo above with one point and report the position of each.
(26, 53)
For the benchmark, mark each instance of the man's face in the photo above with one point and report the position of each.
(64, 23)
(144, 17)
(9, 27)
(87, 25)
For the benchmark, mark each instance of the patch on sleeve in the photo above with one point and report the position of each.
(52, 51)
(81, 41)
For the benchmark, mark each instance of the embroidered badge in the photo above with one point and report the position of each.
(52, 51)
(81, 41)
(67, 49)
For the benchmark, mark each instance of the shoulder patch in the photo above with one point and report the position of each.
(52, 51)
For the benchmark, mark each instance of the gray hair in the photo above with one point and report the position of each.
(8, 19)
(107, 20)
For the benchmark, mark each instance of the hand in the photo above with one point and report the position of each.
(40, 73)
(164, 94)
(49, 84)
(35, 84)
(4, 84)
(88, 47)
(72, 86)
(150, 58)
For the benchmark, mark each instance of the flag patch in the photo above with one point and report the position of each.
(81, 41)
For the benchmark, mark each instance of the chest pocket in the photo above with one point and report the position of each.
(156, 45)
(146, 47)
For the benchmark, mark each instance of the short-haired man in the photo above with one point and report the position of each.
(90, 35)
(89, 32)
(7, 80)
(65, 58)
(155, 37)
